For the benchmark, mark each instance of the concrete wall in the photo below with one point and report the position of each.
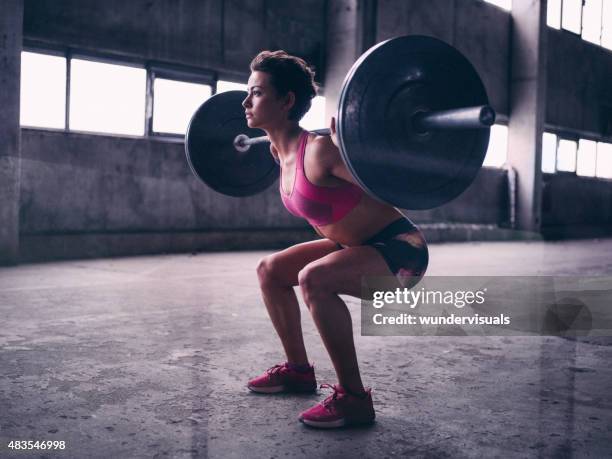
(486, 201)
(579, 102)
(86, 195)
(576, 206)
(579, 89)
(479, 30)
(133, 185)
(221, 35)
(83, 183)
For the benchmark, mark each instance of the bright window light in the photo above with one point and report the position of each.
(553, 14)
(606, 21)
(498, 146)
(175, 102)
(107, 98)
(587, 152)
(43, 90)
(566, 155)
(223, 86)
(505, 4)
(549, 152)
(591, 21)
(572, 13)
(315, 117)
(604, 160)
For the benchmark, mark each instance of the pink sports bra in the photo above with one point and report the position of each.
(320, 205)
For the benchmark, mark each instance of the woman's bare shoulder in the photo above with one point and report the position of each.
(324, 149)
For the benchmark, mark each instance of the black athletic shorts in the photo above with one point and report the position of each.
(406, 255)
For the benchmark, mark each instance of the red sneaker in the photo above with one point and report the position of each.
(340, 409)
(281, 378)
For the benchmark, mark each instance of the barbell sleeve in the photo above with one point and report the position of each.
(482, 116)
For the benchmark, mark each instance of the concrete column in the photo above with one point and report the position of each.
(11, 25)
(351, 28)
(527, 108)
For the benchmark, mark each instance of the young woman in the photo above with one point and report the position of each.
(360, 237)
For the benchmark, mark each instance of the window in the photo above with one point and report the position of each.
(591, 21)
(587, 153)
(112, 98)
(571, 15)
(604, 160)
(315, 117)
(223, 86)
(586, 157)
(553, 14)
(498, 146)
(549, 152)
(175, 102)
(505, 4)
(43, 90)
(107, 98)
(566, 155)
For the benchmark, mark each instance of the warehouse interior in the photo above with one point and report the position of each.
(131, 312)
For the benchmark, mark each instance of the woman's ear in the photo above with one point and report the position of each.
(289, 101)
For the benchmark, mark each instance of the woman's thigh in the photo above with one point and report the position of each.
(399, 261)
(285, 265)
(342, 272)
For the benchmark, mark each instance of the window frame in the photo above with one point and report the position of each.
(579, 33)
(601, 18)
(179, 73)
(50, 50)
(153, 69)
(576, 136)
(103, 58)
(578, 159)
(237, 77)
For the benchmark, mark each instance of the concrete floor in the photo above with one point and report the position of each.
(148, 357)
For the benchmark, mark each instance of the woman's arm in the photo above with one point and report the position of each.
(326, 148)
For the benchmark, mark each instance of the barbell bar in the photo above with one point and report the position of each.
(479, 117)
(413, 126)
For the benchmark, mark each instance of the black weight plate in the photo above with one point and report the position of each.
(211, 153)
(388, 157)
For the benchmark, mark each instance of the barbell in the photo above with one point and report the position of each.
(413, 128)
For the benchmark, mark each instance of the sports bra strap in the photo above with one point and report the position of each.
(302, 151)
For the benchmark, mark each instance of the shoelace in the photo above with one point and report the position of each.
(332, 398)
(275, 369)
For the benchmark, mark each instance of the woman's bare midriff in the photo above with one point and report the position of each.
(367, 219)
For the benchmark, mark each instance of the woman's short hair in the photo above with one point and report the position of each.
(288, 73)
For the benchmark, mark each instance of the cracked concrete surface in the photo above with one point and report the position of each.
(149, 356)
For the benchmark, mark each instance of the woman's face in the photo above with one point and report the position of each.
(263, 106)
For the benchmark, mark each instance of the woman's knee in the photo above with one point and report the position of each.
(313, 280)
(271, 270)
(266, 269)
